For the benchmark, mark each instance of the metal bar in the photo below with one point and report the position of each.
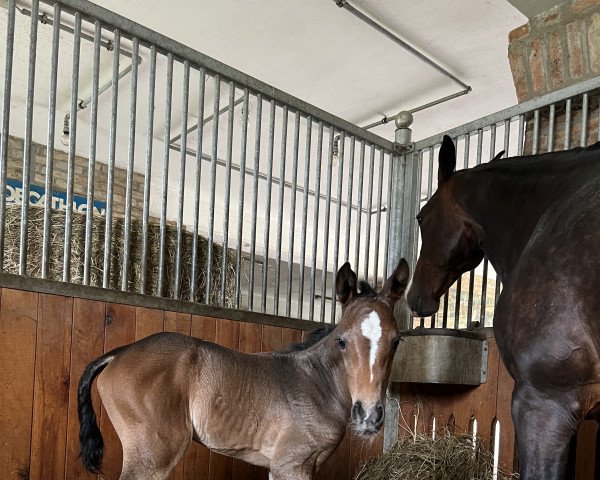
(49, 144)
(369, 215)
(71, 154)
(316, 209)
(520, 144)
(199, 145)
(148, 168)
(242, 187)
(259, 102)
(512, 112)
(568, 124)
(361, 175)
(326, 229)
(267, 227)
(306, 180)
(27, 143)
(213, 180)
(536, 132)
(130, 159)
(399, 41)
(295, 153)
(229, 156)
(165, 183)
(378, 219)
(182, 165)
(180, 51)
(430, 174)
(457, 306)
(388, 215)
(282, 160)
(551, 121)
(584, 119)
(111, 162)
(338, 216)
(445, 312)
(349, 202)
(89, 216)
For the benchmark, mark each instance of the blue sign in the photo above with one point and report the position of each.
(37, 196)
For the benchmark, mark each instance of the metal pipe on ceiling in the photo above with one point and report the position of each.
(465, 89)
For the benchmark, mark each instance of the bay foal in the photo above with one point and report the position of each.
(285, 411)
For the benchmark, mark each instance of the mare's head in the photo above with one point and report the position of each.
(367, 336)
(451, 240)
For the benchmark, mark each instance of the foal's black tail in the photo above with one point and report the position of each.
(90, 438)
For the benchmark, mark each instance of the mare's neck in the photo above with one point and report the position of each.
(508, 203)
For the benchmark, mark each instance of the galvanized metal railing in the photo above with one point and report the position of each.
(557, 121)
(280, 191)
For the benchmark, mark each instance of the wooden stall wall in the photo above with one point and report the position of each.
(456, 408)
(45, 343)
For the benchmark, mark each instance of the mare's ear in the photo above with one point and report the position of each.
(345, 284)
(395, 285)
(447, 160)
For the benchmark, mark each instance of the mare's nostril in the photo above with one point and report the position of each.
(358, 412)
(379, 411)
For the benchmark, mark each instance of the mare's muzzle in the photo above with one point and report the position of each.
(367, 422)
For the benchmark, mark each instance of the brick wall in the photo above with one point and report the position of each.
(38, 176)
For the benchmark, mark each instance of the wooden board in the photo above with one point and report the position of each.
(51, 396)
(18, 327)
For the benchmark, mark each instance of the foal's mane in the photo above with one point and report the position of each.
(315, 336)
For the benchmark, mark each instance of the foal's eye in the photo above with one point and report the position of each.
(342, 344)
(395, 343)
(419, 219)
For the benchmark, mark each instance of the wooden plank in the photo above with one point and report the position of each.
(249, 342)
(271, 338)
(290, 336)
(51, 394)
(18, 327)
(180, 323)
(228, 335)
(148, 321)
(198, 466)
(585, 458)
(87, 344)
(120, 330)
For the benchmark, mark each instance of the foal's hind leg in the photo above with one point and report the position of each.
(543, 428)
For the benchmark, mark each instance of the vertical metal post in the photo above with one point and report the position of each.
(228, 161)
(388, 213)
(89, 215)
(293, 193)
(130, 159)
(369, 208)
(536, 132)
(6, 97)
(267, 221)
(72, 148)
(199, 141)
(316, 209)
(50, 139)
(567, 140)
(326, 229)
(256, 175)
(282, 160)
(165, 183)
(551, 121)
(584, 119)
(457, 306)
(306, 181)
(349, 199)
(27, 140)
(361, 175)
(148, 168)
(213, 180)
(240, 212)
(520, 144)
(111, 161)
(485, 261)
(182, 165)
(338, 216)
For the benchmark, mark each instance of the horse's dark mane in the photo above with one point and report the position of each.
(366, 290)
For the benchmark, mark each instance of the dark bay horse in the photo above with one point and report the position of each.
(285, 411)
(537, 219)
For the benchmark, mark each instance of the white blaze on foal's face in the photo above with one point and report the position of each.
(371, 328)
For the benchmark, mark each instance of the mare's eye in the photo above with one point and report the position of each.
(395, 343)
(419, 219)
(342, 344)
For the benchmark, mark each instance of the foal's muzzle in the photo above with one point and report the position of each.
(367, 422)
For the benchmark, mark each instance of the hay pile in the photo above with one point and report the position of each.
(34, 256)
(448, 457)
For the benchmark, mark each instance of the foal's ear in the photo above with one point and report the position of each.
(345, 283)
(395, 285)
(447, 160)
